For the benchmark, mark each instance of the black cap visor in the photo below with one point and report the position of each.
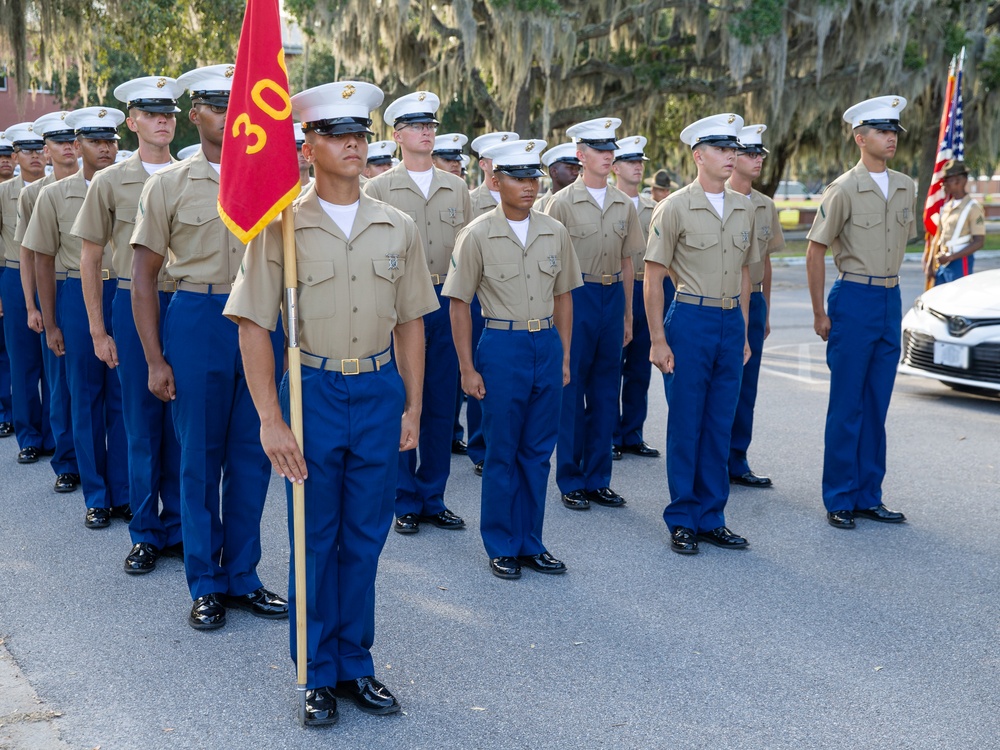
(338, 126)
(603, 144)
(892, 125)
(568, 160)
(631, 157)
(448, 154)
(720, 141)
(60, 136)
(160, 106)
(753, 148)
(98, 134)
(211, 98)
(414, 117)
(380, 159)
(32, 145)
(6, 150)
(519, 170)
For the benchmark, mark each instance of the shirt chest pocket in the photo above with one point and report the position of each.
(388, 272)
(903, 217)
(316, 299)
(866, 222)
(452, 220)
(584, 236)
(550, 267)
(741, 242)
(620, 228)
(194, 222)
(503, 280)
(707, 253)
(125, 215)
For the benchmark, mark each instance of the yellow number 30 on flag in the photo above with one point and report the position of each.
(243, 122)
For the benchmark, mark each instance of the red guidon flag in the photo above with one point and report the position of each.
(260, 171)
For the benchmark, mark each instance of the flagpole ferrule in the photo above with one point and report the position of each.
(292, 315)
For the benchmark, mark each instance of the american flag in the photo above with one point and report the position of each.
(951, 144)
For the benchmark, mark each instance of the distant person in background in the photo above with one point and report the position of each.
(961, 230)
(659, 185)
(379, 158)
(447, 153)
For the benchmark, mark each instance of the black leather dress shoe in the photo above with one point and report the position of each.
(97, 518)
(368, 694)
(478, 469)
(750, 480)
(616, 453)
(606, 497)
(841, 519)
(459, 448)
(6, 429)
(321, 708)
(123, 511)
(723, 537)
(576, 500)
(543, 563)
(505, 567)
(880, 513)
(641, 449)
(444, 520)
(260, 603)
(141, 559)
(46, 451)
(207, 613)
(683, 542)
(67, 482)
(408, 523)
(173, 550)
(28, 455)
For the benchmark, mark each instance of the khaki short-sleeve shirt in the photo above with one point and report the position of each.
(50, 228)
(513, 281)
(179, 219)
(866, 233)
(705, 253)
(770, 237)
(8, 216)
(439, 217)
(109, 211)
(603, 236)
(26, 206)
(973, 226)
(482, 201)
(352, 291)
(645, 212)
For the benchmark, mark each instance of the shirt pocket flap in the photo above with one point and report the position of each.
(453, 218)
(196, 216)
(501, 271)
(866, 221)
(126, 215)
(390, 269)
(903, 217)
(550, 267)
(701, 241)
(312, 272)
(741, 241)
(580, 231)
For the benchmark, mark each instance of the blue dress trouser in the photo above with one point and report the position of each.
(862, 352)
(29, 389)
(522, 372)
(95, 403)
(351, 436)
(743, 422)
(955, 270)
(219, 433)
(154, 455)
(590, 401)
(702, 392)
(637, 370)
(60, 404)
(6, 407)
(421, 486)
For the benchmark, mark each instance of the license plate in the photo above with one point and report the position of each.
(951, 355)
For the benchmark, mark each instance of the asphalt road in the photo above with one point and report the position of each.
(882, 637)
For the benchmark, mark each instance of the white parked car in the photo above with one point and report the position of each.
(952, 334)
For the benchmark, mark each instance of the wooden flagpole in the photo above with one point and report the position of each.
(298, 490)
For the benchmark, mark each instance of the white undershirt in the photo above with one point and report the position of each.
(343, 216)
(635, 202)
(152, 169)
(26, 183)
(216, 167)
(87, 181)
(423, 180)
(496, 196)
(520, 229)
(717, 200)
(599, 194)
(882, 180)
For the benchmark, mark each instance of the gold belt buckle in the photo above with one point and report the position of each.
(170, 285)
(607, 279)
(892, 283)
(105, 274)
(436, 279)
(534, 325)
(345, 363)
(728, 303)
(640, 275)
